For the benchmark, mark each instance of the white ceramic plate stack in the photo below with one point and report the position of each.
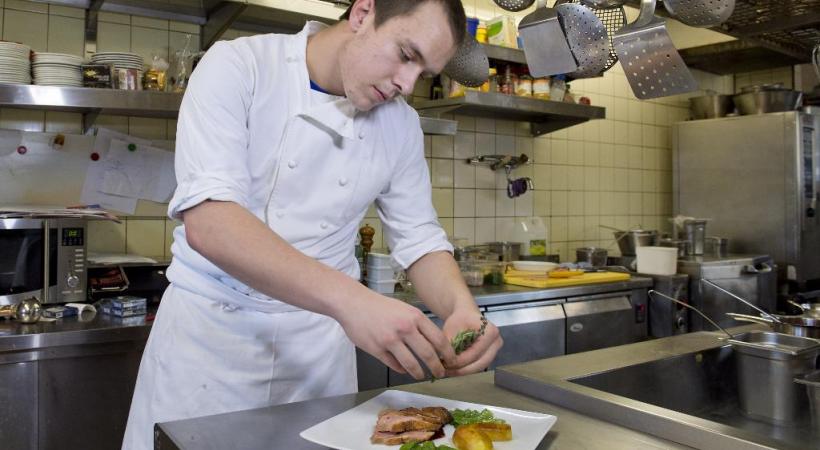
(120, 60)
(57, 69)
(15, 63)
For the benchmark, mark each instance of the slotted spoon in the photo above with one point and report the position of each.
(469, 66)
(612, 15)
(587, 38)
(652, 65)
(700, 13)
(514, 5)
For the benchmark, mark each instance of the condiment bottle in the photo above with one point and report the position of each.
(541, 88)
(481, 32)
(523, 87)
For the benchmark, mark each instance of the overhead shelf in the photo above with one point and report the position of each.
(544, 116)
(92, 102)
(505, 54)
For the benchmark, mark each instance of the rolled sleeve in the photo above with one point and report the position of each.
(406, 207)
(212, 133)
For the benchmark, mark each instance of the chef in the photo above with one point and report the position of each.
(283, 142)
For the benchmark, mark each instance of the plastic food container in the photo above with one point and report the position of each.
(382, 286)
(378, 261)
(657, 260)
(380, 274)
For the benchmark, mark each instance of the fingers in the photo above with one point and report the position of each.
(482, 362)
(390, 361)
(438, 339)
(422, 348)
(489, 343)
(407, 360)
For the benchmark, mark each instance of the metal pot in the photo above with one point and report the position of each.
(628, 241)
(593, 255)
(711, 106)
(766, 99)
(801, 326)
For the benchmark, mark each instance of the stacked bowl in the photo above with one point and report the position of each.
(15, 63)
(57, 69)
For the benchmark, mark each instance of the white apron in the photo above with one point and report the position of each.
(204, 357)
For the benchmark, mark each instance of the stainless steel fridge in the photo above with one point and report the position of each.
(758, 179)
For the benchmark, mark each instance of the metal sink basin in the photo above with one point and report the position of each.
(683, 388)
(701, 384)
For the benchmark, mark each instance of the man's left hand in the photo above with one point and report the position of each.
(481, 353)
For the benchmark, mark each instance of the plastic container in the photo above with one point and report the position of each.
(657, 260)
(383, 286)
(472, 274)
(481, 33)
(472, 26)
(378, 261)
(558, 88)
(380, 274)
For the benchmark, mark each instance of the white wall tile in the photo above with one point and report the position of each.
(113, 37)
(149, 42)
(484, 230)
(147, 128)
(485, 203)
(183, 27)
(524, 205)
(443, 202)
(2, 12)
(66, 35)
(442, 146)
(63, 122)
(464, 203)
(104, 16)
(558, 229)
(465, 228)
(465, 145)
(22, 119)
(26, 27)
(23, 5)
(66, 11)
(106, 237)
(442, 173)
(504, 206)
(464, 174)
(575, 201)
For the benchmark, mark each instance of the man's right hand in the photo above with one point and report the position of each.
(398, 334)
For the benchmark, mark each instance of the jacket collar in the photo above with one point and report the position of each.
(335, 117)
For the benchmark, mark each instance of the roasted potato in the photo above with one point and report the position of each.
(496, 431)
(468, 437)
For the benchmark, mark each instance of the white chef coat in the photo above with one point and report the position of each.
(249, 132)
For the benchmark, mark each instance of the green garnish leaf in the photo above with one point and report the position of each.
(468, 416)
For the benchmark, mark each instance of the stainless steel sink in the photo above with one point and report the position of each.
(682, 388)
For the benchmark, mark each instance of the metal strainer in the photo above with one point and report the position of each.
(587, 39)
(700, 13)
(613, 17)
(469, 66)
(514, 5)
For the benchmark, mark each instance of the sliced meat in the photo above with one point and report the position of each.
(393, 421)
(441, 415)
(381, 437)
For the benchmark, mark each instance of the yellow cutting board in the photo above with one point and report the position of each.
(541, 280)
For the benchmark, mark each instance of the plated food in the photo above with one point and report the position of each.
(474, 430)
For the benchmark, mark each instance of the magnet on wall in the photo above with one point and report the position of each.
(132, 147)
(22, 149)
(95, 156)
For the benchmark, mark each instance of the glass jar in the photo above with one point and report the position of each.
(523, 86)
(507, 86)
(472, 273)
(541, 88)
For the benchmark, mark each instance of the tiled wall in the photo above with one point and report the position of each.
(614, 172)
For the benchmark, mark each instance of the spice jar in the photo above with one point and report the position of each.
(541, 88)
(523, 87)
(481, 33)
(507, 85)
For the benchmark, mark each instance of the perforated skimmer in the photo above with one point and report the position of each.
(587, 38)
(652, 65)
(514, 5)
(700, 13)
(469, 66)
(612, 15)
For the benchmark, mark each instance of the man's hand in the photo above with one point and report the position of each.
(481, 353)
(399, 335)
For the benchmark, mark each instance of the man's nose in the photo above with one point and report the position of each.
(406, 80)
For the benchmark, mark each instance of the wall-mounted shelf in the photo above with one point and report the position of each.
(544, 116)
(504, 54)
(93, 102)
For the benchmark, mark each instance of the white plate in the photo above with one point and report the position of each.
(351, 430)
(534, 266)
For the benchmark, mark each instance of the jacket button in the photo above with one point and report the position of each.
(324, 225)
(342, 181)
(292, 164)
(361, 134)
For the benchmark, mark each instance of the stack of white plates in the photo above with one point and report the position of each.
(57, 69)
(120, 60)
(15, 65)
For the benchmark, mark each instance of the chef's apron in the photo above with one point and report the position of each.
(204, 357)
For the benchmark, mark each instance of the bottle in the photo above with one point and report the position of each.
(436, 90)
(568, 97)
(558, 88)
(481, 32)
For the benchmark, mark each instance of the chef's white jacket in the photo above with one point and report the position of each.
(250, 131)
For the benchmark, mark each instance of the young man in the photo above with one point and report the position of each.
(282, 143)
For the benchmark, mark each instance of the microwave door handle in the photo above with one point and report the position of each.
(46, 259)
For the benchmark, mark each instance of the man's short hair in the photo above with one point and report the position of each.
(387, 9)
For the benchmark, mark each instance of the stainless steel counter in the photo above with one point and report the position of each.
(278, 427)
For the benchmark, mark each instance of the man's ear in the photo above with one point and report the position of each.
(360, 10)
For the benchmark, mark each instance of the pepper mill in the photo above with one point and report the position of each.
(27, 311)
(366, 234)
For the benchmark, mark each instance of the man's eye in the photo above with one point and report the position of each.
(404, 56)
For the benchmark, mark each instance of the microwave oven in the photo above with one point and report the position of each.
(44, 258)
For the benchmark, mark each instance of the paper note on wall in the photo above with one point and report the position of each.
(91, 193)
(138, 171)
